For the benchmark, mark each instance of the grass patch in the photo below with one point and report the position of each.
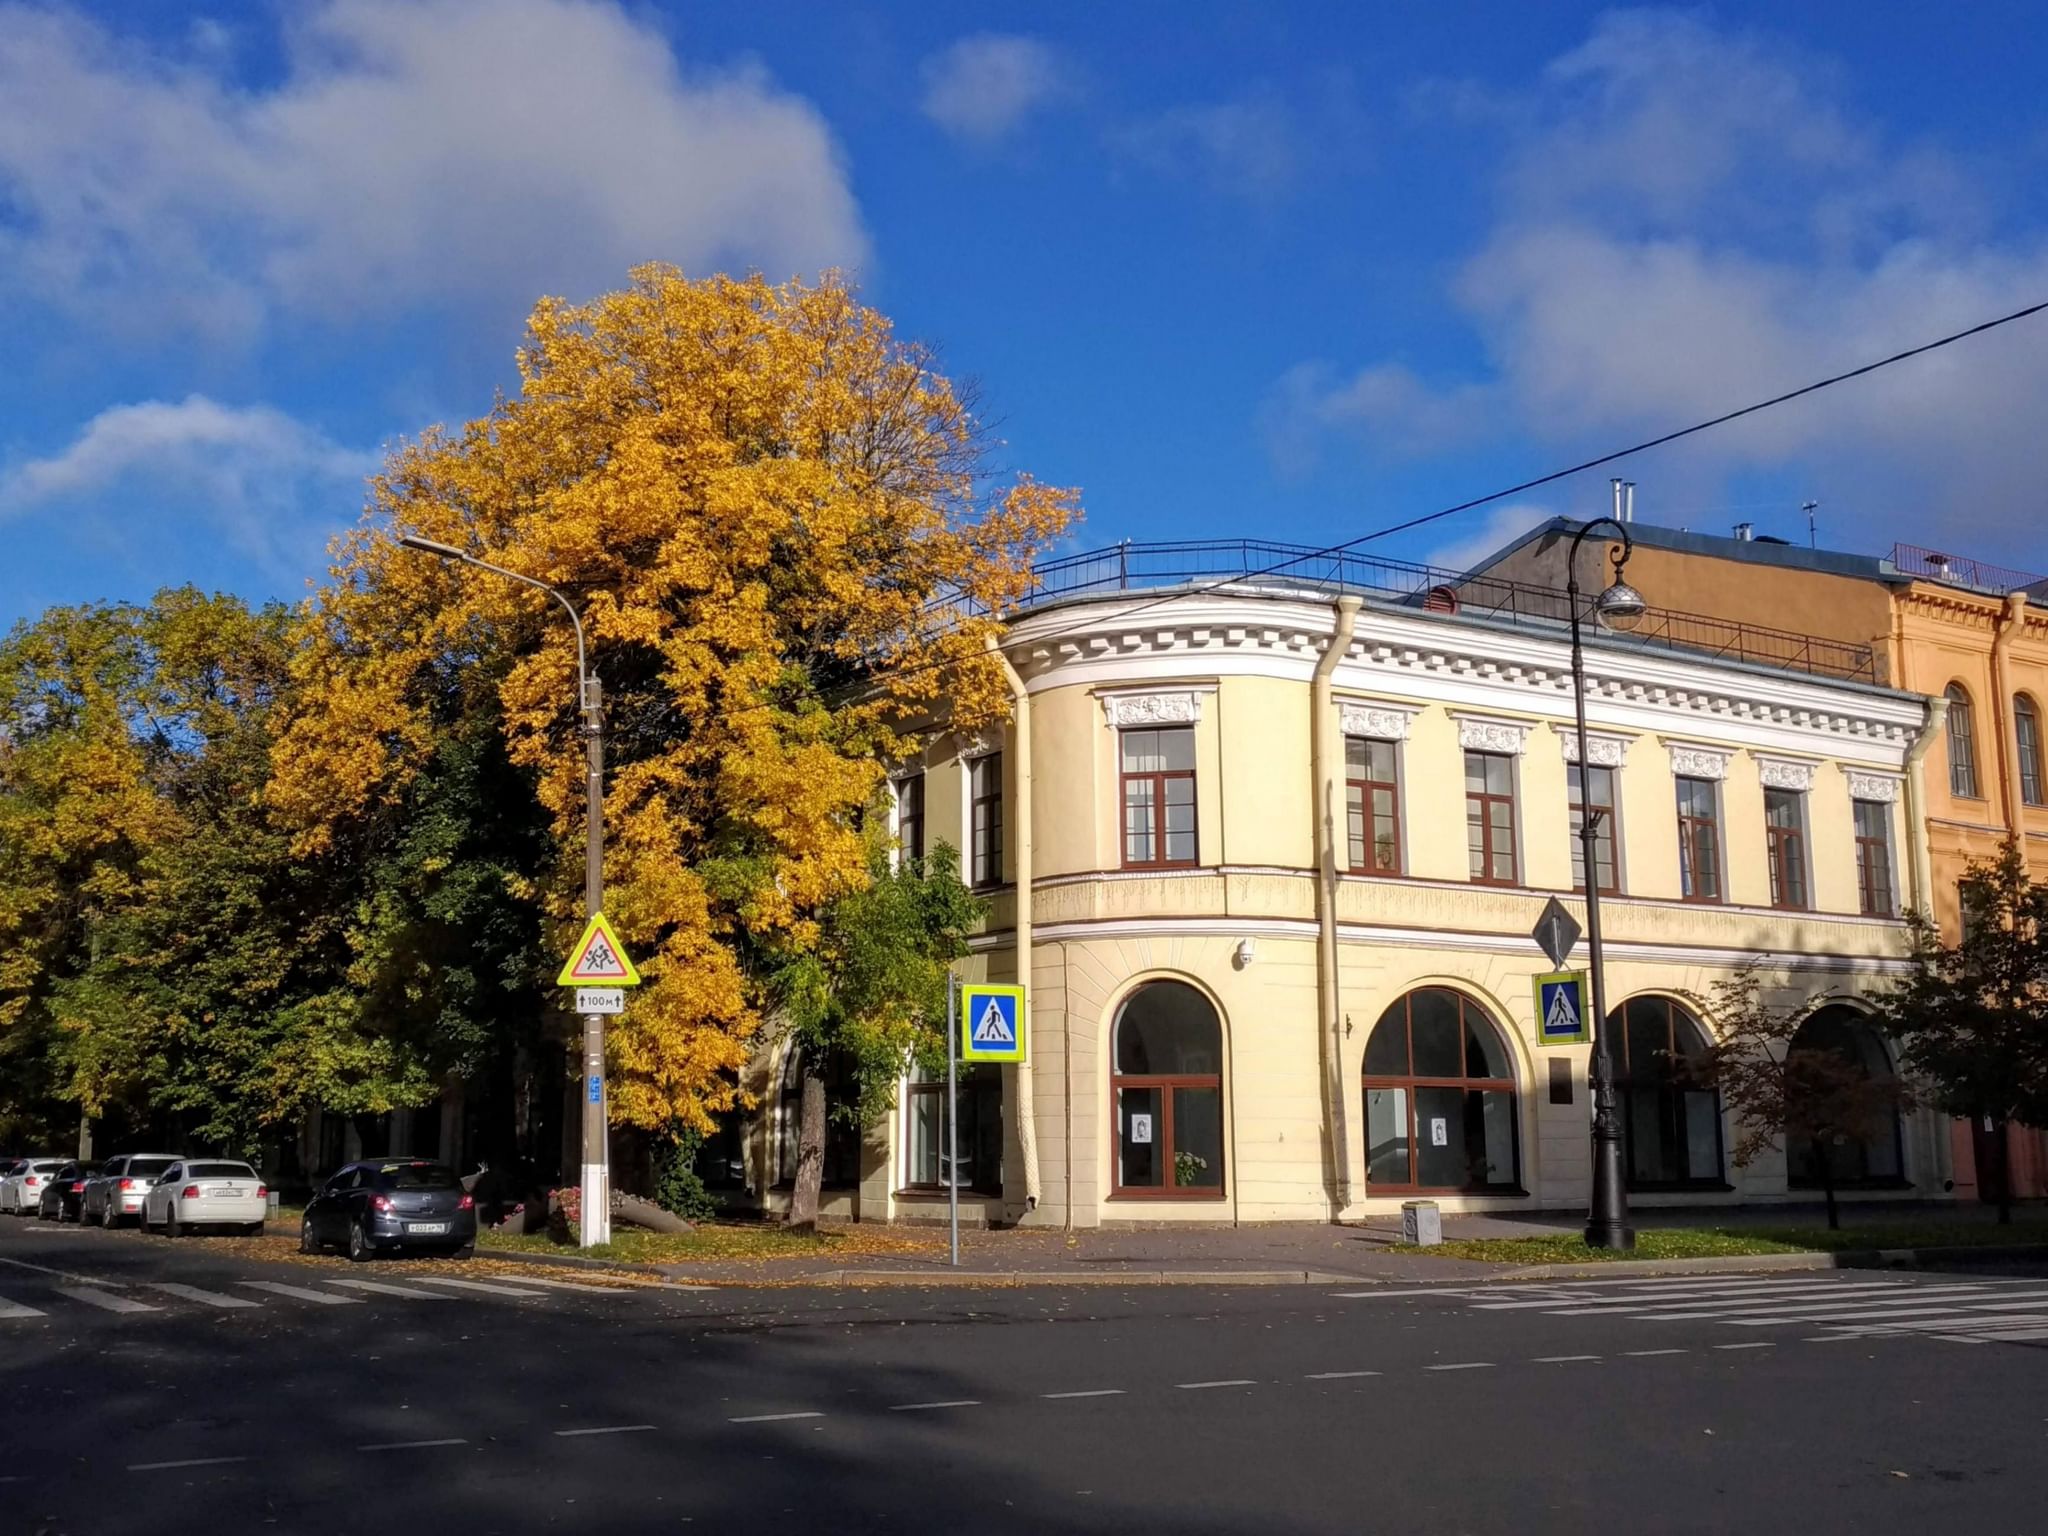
(714, 1241)
(1739, 1242)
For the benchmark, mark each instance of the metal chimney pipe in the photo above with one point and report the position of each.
(1745, 531)
(1628, 510)
(1616, 483)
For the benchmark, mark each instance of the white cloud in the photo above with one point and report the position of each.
(269, 484)
(1246, 149)
(1690, 221)
(409, 151)
(1500, 526)
(1386, 401)
(982, 88)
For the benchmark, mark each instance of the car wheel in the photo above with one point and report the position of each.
(360, 1249)
(172, 1226)
(306, 1242)
(107, 1217)
(466, 1251)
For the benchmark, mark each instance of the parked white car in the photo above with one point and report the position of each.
(22, 1189)
(207, 1192)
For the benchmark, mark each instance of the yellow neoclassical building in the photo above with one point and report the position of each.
(1268, 853)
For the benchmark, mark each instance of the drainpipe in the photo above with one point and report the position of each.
(1020, 1076)
(1922, 898)
(1325, 750)
(2009, 624)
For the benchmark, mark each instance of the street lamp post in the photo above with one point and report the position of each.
(596, 1224)
(1620, 604)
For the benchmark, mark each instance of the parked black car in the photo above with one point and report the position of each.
(391, 1203)
(63, 1197)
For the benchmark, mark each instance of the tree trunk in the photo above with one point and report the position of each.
(1824, 1160)
(810, 1152)
(2003, 1136)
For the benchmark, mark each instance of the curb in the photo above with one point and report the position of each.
(1718, 1264)
(1025, 1277)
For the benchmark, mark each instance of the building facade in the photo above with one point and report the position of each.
(1269, 857)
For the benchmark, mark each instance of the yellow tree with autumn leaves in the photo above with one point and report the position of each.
(775, 516)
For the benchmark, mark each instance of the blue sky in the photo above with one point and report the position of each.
(1281, 271)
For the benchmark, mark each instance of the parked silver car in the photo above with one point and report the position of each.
(117, 1191)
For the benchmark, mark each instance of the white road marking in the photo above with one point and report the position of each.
(1682, 1295)
(1752, 1344)
(64, 1274)
(773, 1418)
(1920, 1299)
(1560, 1359)
(410, 1445)
(191, 1461)
(1641, 1354)
(1095, 1392)
(16, 1309)
(1463, 1365)
(603, 1429)
(961, 1402)
(204, 1298)
(568, 1285)
(300, 1293)
(1425, 1290)
(1337, 1375)
(106, 1301)
(1203, 1386)
(485, 1286)
(385, 1288)
(1960, 1309)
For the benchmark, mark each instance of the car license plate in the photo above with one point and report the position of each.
(426, 1226)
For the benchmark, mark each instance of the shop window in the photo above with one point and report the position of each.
(1671, 1129)
(1439, 1099)
(1873, 1158)
(926, 1147)
(1167, 1095)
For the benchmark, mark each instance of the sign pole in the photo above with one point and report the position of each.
(952, 1117)
(595, 1225)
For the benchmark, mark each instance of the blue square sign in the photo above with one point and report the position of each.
(1562, 1015)
(991, 1023)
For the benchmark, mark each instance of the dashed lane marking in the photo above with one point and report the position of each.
(1204, 1386)
(1560, 1359)
(1644, 1354)
(603, 1429)
(204, 1298)
(189, 1461)
(773, 1418)
(300, 1293)
(1337, 1375)
(63, 1274)
(386, 1288)
(411, 1445)
(1751, 1344)
(1463, 1365)
(1091, 1392)
(106, 1301)
(16, 1309)
(960, 1402)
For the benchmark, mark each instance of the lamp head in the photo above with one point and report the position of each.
(1620, 608)
(430, 547)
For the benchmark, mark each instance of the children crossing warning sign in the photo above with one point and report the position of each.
(598, 960)
(1561, 1014)
(991, 1023)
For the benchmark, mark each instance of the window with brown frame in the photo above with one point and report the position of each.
(1372, 794)
(1600, 781)
(1962, 744)
(985, 818)
(980, 1097)
(1699, 839)
(1166, 1095)
(1490, 817)
(1439, 1098)
(1158, 796)
(1785, 847)
(2026, 733)
(910, 815)
(1874, 858)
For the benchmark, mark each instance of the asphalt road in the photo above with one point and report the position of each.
(159, 1388)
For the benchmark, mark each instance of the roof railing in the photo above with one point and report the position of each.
(1932, 564)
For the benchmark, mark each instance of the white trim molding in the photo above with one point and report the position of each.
(1488, 733)
(1689, 760)
(1881, 787)
(1136, 708)
(1785, 773)
(1605, 749)
(1372, 719)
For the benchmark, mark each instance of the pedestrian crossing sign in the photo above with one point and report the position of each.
(991, 1023)
(1562, 1017)
(599, 959)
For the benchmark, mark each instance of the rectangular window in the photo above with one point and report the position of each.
(1785, 831)
(2026, 735)
(1699, 840)
(981, 1132)
(1158, 778)
(910, 815)
(1372, 806)
(1874, 857)
(985, 818)
(1490, 816)
(1601, 782)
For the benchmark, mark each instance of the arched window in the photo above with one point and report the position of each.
(1962, 744)
(1168, 1094)
(1439, 1098)
(1869, 1158)
(1672, 1131)
(2026, 733)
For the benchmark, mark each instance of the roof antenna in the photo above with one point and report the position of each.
(1812, 537)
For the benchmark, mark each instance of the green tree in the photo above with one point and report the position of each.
(1973, 1015)
(870, 994)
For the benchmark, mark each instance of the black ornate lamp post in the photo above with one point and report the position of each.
(1618, 607)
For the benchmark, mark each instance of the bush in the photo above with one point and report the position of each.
(678, 1187)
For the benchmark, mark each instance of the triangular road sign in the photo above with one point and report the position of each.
(598, 960)
(994, 1026)
(1563, 1018)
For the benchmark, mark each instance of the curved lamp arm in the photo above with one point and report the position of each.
(463, 557)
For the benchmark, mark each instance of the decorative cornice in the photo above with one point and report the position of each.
(1166, 706)
(1785, 773)
(1486, 733)
(983, 743)
(1381, 722)
(1690, 761)
(1872, 786)
(1606, 751)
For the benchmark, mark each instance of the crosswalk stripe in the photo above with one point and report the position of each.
(106, 1301)
(1943, 1314)
(571, 1285)
(300, 1293)
(204, 1298)
(385, 1288)
(16, 1309)
(480, 1285)
(1817, 1311)
(1808, 1304)
(1591, 1304)
(1726, 1303)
